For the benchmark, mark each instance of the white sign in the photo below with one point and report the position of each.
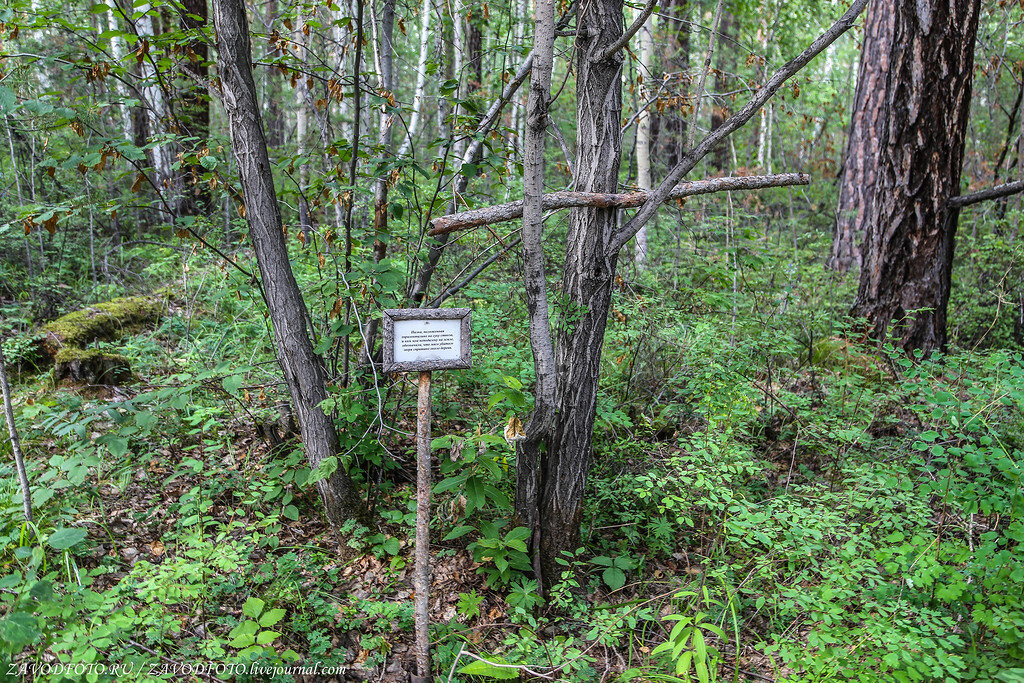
(424, 340)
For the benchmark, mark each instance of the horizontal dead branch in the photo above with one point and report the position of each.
(627, 200)
(991, 193)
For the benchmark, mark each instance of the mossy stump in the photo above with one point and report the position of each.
(108, 321)
(66, 338)
(91, 366)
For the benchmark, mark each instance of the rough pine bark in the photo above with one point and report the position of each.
(908, 246)
(303, 369)
(857, 177)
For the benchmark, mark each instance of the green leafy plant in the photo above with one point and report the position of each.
(686, 649)
(250, 635)
(614, 575)
(503, 556)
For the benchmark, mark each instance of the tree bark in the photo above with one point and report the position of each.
(303, 369)
(908, 246)
(668, 127)
(301, 128)
(385, 52)
(421, 80)
(587, 281)
(528, 454)
(593, 243)
(726, 65)
(12, 429)
(643, 133)
(194, 111)
(858, 175)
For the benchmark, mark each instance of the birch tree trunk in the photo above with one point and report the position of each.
(303, 369)
(421, 80)
(857, 177)
(643, 132)
(153, 96)
(908, 246)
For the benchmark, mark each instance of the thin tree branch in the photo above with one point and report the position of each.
(19, 460)
(625, 37)
(628, 200)
(734, 122)
(991, 193)
(691, 133)
(472, 276)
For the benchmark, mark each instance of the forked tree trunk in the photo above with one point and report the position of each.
(303, 368)
(857, 179)
(908, 246)
(587, 281)
(542, 419)
(563, 454)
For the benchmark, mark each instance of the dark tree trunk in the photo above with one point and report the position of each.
(587, 281)
(275, 118)
(668, 127)
(303, 368)
(726, 65)
(194, 111)
(908, 246)
(857, 177)
(474, 50)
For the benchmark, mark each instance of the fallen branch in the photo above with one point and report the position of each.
(628, 200)
(991, 193)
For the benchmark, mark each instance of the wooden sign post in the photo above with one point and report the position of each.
(423, 340)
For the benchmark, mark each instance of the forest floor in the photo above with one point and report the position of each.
(839, 512)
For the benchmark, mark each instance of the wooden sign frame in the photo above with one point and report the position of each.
(393, 315)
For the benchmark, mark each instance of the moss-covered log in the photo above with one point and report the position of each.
(65, 340)
(108, 321)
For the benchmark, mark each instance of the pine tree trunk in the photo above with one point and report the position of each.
(303, 369)
(857, 178)
(908, 246)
